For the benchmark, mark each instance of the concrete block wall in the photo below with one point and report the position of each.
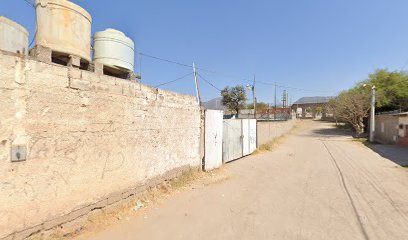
(87, 136)
(386, 129)
(267, 131)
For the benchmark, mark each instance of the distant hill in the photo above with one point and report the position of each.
(214, 104)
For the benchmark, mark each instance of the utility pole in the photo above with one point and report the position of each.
(196, 84)
(254, 96)
(372, 112)
(372, 117)
(287, 99)
(274, 114)
(284, 100)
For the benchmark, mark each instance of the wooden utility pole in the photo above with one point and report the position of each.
(196, 84)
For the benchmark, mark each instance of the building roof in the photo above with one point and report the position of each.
(393, 113)
(214, 104)
(401, 114)
(313, 100)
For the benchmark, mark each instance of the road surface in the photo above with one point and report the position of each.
(318, 184)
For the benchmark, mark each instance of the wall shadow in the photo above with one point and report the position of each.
(397, 154)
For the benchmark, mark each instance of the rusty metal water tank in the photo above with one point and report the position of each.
(13, 37)
(113, 49)
(64, 27)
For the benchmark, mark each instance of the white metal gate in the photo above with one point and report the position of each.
(213, 139)
(249, 136)
(232, 140)
(252, 135)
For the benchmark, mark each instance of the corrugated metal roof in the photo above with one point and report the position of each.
(313, 100)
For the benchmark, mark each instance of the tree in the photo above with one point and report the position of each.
(259, 106)
(352, 107)
(234, 98)
(392, 89)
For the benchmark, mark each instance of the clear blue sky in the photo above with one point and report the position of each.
(322, 45)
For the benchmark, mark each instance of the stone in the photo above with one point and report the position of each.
(86, 139)
(41, 53)
(80, 85)
(74, 61)
(28, 232)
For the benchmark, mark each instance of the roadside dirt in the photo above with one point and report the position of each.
(124, 211)
(318, 184)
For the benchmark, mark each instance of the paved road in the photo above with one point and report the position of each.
(318, 184)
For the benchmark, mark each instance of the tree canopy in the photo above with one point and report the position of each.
(392, 89)
(353, 106)
(234, 98)
(259, 106)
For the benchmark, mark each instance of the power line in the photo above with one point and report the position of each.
(208, 82)
(30, 3)
(166, 60)
(175, 80)
(189, 66)
(222, 74)
(288, 87)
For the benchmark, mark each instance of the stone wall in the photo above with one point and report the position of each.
(270, 130)
(86, 136)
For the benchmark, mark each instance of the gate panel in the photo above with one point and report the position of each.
(213, 139)
(245, 137)
(232, 140)
(252, 135)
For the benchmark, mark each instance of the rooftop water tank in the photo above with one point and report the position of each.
(13, 37)
(113, 49)
(64, 27)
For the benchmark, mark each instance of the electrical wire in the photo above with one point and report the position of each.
(208, 82)
(189, 66)
(288, 87)
(30, 3)
(228, 75)
(165, 60)
(175, 80)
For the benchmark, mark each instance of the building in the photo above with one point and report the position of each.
(311, 107)
(392, 128)
(266, 114)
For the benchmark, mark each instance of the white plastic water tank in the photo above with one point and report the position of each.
(112, 48)
(64, 27)
(13, 37)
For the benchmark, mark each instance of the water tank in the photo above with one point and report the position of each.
(13, 37)
(64, 27)
(112, 48)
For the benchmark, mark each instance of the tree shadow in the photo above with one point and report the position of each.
(397, 154)
(333, 132)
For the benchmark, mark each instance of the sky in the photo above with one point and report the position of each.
(319, 47)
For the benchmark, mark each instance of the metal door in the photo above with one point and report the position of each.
(213, 139)
(245, 137)
(232, 140)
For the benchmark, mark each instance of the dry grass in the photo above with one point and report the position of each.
(100, 219)
(269, 146)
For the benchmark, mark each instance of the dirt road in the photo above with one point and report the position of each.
(318, 184)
